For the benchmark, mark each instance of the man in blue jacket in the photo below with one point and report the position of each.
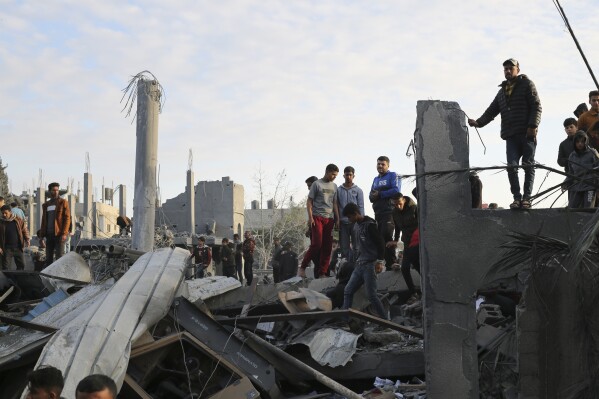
(520, 108)
(384, 187)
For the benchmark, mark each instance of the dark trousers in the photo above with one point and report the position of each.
(54, 245)
(411, 256)
(346, 237)
(321, 244)
(9, 254)
(248, 262)
(517, 147)
(239, 267)
(229, 271)
(386, 228)
(581, 199)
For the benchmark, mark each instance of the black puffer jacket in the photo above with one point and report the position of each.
(518, 112)
(582, 164)
(406, 221)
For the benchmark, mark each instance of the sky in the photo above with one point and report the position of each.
(277, 86)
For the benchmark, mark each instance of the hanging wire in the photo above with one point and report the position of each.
(562, 14)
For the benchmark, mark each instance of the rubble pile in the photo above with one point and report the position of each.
(139, 319)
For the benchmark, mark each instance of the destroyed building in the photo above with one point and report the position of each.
(508, 310)
(218, 209)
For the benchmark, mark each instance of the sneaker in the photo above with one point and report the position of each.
(516, 204)
(525, 204)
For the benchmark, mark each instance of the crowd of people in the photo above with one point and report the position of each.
(519, 104)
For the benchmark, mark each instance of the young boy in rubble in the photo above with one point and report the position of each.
(370, 257)
(582, 163)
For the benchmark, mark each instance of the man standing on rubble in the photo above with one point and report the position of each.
(346, 193)
(56, 220)
(384, 187)
(321, 218)
(370, 257)
(238, 257)
(202, 256)
(520, 108)
(249, 244)
(13, 238)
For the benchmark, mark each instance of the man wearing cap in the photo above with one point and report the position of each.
(520, 108)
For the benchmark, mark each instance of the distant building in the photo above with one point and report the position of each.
(219, 209)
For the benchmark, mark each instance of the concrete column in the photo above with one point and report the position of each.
(122, 200)
(191, 198)
(88, 219)
(31, 219)
(41, 198)
(146, 159)
(441, 141)
(72, 198)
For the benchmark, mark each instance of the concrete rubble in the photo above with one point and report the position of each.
(160, 334)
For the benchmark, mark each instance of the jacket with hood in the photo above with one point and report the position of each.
(581, 164)
(519, 111)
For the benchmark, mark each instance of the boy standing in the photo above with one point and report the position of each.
(347, 193)
(567, 146)
(582, 161)
(370, 254)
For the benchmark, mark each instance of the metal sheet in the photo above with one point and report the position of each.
(98, 340)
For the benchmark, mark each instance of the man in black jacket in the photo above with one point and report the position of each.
(520, 108)
(567, 146)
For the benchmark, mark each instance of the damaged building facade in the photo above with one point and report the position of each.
(218, 209)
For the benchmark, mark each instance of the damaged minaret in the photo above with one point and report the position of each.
(146, 158)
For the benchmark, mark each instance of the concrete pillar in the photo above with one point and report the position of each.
(191, 205)
(441, 141)
(88, 219)
(72, 198)
(31, 220)
(41, 198)
(122, 200)
(146, 159)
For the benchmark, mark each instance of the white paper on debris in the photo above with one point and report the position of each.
(330, 346)
(98, 341)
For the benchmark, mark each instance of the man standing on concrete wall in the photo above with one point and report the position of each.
(238, 257)
(520, 108)
(347, 193)
(321, 218)
(56, 220)
(384, 187)
(249, 245)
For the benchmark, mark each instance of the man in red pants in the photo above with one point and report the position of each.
(322, 222)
